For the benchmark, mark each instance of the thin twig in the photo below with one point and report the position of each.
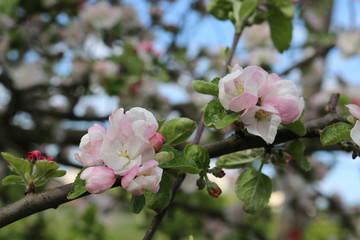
(332, 104)
(159, 217)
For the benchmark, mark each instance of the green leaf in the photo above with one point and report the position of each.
(137, 203)
(12, 179)
(335, 133)
(217, 79)
(44, 170)
(280, 28)
(161, 199)
(285, 6)
(78, 188)
(21, 166)
(246, 9)
(178, 130)
(163, 157)
(254, 189)
(205, 87)
(219, 8)
(238, 159)
(296, 150)
(296, 127)
(216, 115)
(197, 154)
(180, 162)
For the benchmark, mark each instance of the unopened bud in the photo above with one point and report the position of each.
(157, 141)
(213, 189)
(34, 155)
(217, 172)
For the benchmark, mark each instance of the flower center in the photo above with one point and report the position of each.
(124, 154)
(241, 89)
(261, 114)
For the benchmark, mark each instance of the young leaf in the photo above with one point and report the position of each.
(182, 163)
(164, 156)
(286, 7)
(137, 203)
(161, 199)
(198, 154)
(44, 170)
(238, 159)
(205, 87)
(242, 11)
(296, 150)
(254, 189)
(335, 133)
(216, 116)
(78, 188)
(296, 127)
(12, 179)
(280, 28)
(20, 165)
(178, 130)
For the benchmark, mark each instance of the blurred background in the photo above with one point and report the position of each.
(65, 65)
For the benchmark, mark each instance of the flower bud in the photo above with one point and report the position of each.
(213, 189)
(34, 155)
(37, 155)
(157, 141)
(217, 172)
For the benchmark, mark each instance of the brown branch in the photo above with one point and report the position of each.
(34, 203)
(238, 143)
(159, 217)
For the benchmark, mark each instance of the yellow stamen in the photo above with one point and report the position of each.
(261, 114)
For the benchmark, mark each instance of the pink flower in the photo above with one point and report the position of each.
(262, 121)
(355, 131)
(90, 145)
(157, 141)
(239, 89)
(98, 179)
(126, 143)
(146, 177)
(285, 97)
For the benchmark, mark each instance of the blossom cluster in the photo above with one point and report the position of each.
(37, 155)
(264, 100)
(126, 148)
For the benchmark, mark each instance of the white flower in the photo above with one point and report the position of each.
(262, 121)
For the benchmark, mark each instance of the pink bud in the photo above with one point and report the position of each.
(157, 141)
(34, 155)
(37, 155)
(213, 190)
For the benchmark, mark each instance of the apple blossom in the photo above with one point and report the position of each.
(239, 89)
(126, 143)
(285, 97)
(98, 179)
(90, 146)
(355, 131)
(146, 177)
(262, 121)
